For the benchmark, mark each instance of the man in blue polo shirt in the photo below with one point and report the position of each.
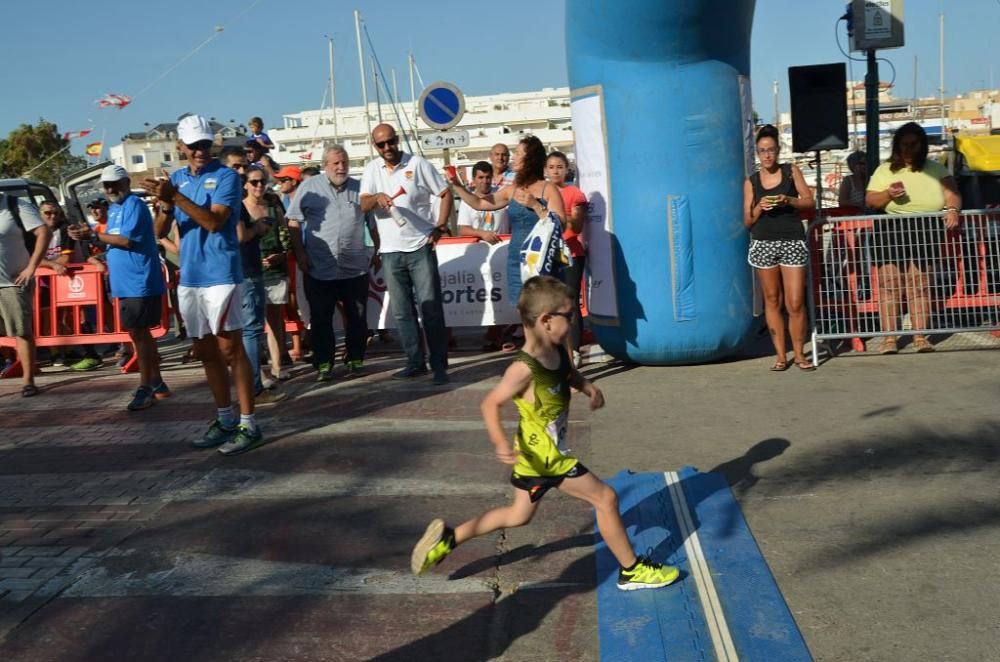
(205, 199)
(136, 277)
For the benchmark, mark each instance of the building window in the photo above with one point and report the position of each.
(137, 159)
(182, 157)
(167, 157)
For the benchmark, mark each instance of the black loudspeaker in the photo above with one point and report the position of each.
(819, 107)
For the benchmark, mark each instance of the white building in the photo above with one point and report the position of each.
(489, 119)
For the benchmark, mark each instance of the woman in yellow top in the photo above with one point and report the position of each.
(906, 249)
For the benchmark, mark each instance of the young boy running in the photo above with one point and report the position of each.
(539, 381)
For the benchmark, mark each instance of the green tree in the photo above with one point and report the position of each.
(39, 145)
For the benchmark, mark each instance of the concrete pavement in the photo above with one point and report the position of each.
(869, 486)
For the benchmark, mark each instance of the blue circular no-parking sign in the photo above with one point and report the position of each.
(441, 105)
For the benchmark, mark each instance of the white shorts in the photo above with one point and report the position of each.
(209, 310)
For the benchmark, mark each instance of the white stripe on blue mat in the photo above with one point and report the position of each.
(725, 607)
(718, 629)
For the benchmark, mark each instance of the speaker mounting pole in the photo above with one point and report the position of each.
(871, 112)
(819, 186)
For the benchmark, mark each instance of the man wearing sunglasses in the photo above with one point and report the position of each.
(205, 199)
(289, 178)
(401, 188)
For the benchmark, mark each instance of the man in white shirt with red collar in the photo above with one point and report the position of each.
(400, 187)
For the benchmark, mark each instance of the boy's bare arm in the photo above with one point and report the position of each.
(515, 381)
(584, 385)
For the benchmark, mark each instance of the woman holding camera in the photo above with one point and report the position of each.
(773, 198)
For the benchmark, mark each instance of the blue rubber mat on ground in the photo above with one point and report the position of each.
(726, 605)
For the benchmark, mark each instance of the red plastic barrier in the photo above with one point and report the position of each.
(65, 298)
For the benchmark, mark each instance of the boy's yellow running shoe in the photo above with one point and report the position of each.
(437, 542)
(647, 574)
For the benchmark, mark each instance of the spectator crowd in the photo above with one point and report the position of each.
(258, 243)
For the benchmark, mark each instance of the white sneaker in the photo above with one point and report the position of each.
(268, 383)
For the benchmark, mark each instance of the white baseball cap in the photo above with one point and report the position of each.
(114, 173)
(194, 128)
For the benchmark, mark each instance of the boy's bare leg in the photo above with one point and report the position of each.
(604, 499)
(518, 513)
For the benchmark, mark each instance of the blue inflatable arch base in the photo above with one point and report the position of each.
(664, 137)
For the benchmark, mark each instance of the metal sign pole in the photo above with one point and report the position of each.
(871, 112)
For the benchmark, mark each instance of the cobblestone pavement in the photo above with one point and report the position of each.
(109, 521)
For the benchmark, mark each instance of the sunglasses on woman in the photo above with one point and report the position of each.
(255, 182)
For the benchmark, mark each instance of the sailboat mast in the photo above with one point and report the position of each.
(378, 94)
(364, 84)
(413, 100)
(333, 93)
(941, 88)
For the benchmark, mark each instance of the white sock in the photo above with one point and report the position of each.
(226, 416)
(249, 421)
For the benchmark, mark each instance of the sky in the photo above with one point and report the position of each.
(270, 58)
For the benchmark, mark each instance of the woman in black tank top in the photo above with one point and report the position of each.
(773, 199)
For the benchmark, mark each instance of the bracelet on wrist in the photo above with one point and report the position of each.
(951, 209)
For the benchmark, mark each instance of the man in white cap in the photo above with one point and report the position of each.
(135, 275)
(205, 199)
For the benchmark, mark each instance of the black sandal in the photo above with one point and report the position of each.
(805, 365)
(29, 390)
(779, 366)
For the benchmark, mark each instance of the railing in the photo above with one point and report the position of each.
(901, 274)
(63, 306)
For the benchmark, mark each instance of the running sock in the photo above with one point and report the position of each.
(249, 421)
(226, 416)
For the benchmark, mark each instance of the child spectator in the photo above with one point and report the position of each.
(539, 381)
(257, 134)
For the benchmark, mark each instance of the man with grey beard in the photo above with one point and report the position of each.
(327, 229)
(136, 277)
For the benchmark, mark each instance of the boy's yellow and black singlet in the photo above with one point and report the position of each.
(541, 431)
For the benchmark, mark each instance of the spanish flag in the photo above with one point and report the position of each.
(94, 149)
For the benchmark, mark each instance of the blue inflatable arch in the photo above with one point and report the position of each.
(664, 136)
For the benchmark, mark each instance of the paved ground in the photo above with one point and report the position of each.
(870, 486)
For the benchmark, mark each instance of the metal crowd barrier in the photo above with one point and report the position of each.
(864, 271)
(63, 306)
